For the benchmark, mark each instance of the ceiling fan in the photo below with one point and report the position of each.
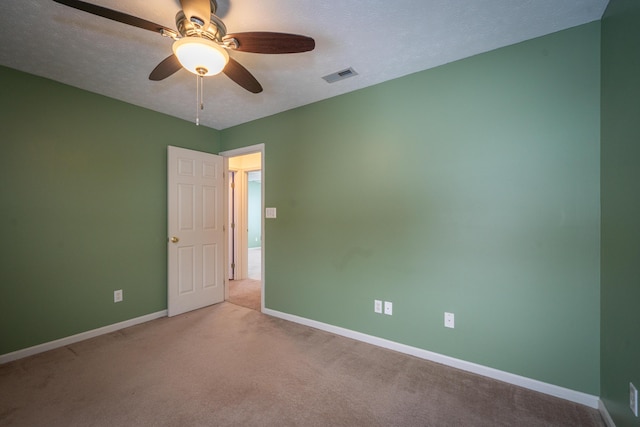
(201, 43)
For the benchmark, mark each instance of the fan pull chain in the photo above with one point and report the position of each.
(199, 97)
(197, 100)
(201, 92)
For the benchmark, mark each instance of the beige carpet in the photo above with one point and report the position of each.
(226, 365)
(247, 293)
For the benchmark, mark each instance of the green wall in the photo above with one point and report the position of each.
(471, 188)
(620, 163)
(83, 208)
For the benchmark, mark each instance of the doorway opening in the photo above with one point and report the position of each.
(245, 224)
(254, 225)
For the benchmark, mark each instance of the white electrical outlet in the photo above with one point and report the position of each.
(377, 306)
(449, 320)
(388, 308)
(633, 399)
(117, 295)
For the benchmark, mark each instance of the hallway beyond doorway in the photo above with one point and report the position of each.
(255, 264)
(246, 293)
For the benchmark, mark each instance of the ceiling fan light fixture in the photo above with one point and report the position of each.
(200, 56)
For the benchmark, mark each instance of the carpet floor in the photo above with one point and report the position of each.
(246, 293)
(227, 365)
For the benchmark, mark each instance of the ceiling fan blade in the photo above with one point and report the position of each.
(166, 68)
(266, 42)
(115, 15)
(242, 76)
(197, 11)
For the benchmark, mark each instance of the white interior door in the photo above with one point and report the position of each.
(196, 234)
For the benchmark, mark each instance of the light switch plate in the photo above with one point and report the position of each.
(270, 212)
(377, 306)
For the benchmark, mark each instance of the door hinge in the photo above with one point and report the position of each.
(233, 185)
(233, 225)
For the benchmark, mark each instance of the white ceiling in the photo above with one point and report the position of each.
(381, 40)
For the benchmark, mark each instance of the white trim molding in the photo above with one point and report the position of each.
(250, 149)
(40, 348)
(605, 414)
(531, 384)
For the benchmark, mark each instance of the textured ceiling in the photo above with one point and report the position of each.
(380, 40)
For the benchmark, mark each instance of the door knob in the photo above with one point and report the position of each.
(174, 239)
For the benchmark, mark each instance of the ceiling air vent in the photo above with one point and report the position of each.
(340, 75)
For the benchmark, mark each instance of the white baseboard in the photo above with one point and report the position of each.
(605, 414)
(550, 389)
(19, 354)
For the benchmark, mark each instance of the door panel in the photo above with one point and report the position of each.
(186, 207)
(186, 261)
(196, 266)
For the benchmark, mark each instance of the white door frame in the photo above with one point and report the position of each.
(257, 148)
(236, 263)
(239, 232)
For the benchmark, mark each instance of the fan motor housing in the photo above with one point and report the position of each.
(216, 30)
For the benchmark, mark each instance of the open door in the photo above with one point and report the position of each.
(196, 234)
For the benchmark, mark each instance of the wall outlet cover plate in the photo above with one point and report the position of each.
(388, 308)
(449, 320)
